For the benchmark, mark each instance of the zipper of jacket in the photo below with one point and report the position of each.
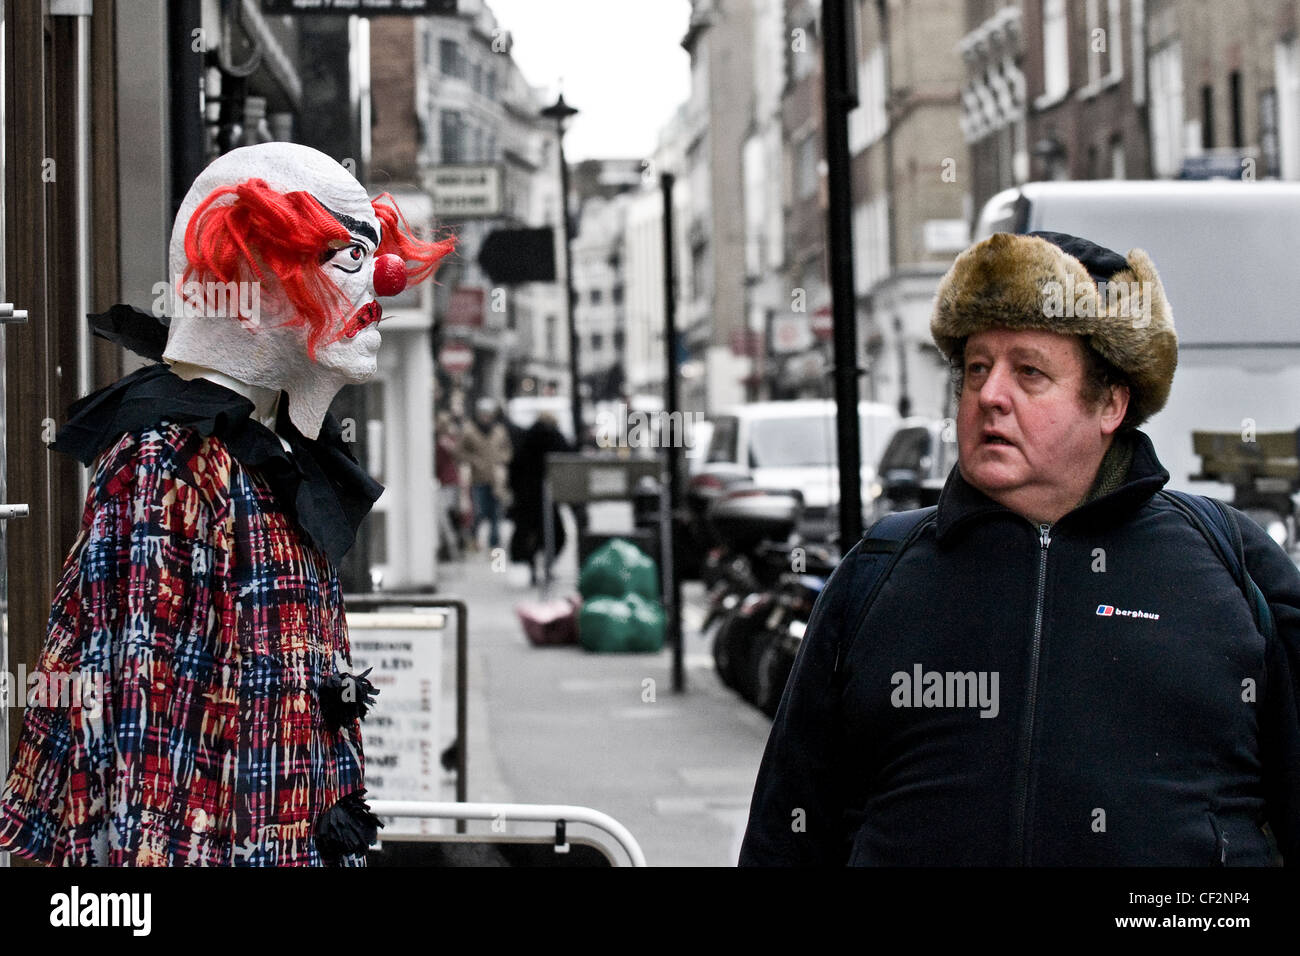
(1031, 702)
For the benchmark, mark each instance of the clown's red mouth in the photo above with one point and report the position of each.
(368, 314)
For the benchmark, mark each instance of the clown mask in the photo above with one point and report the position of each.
(278, 258)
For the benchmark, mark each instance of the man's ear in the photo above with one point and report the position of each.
(1112, 413)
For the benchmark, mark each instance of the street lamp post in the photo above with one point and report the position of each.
(560, 111)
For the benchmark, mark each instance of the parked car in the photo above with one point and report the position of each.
(791, 445)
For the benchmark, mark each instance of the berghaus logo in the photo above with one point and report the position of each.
(1110, 610)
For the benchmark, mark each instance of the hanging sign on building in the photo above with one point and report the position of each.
(465, 191)
(360, 8)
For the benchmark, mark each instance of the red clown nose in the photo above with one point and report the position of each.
(390, 274)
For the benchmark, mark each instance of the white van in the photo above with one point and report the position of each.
(783, 445)
(1227, 253)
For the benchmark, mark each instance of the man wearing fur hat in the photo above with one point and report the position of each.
(1055, 667)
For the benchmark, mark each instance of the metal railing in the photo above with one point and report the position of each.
(558, 814)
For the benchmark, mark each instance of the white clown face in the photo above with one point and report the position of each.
(352, 347)
(270, 353)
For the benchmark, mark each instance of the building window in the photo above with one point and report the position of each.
(595, 297)
(1056, 52)
(1270, 159)
(803, 50)
(1117, 165)
(1105, 43)
(1096, 39)
(1287, 71)
(1167, 109)
(451, 59)
(1137, 35)
(807, 167)
(1234, 95)
(1207, 117)
(867, 123)
(476, 145)
(597, 341)
(550, 336)
(1115, 40)
(870, 243)
(698, 278)
(453, 137)
(616, 295)
(618, 340)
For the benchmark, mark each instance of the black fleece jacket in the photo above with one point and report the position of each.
(1090, 693)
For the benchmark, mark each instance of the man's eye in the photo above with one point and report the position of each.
(1030, 370)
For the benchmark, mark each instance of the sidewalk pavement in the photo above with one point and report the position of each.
(561, 726)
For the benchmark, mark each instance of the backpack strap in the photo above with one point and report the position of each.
(1219, 527)
(875, 556)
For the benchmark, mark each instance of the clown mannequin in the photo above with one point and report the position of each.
(202, 593)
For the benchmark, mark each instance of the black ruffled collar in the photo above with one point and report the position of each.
(320, 484)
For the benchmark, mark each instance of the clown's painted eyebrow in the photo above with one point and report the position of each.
(355, 226)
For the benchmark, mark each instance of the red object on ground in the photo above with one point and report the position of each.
(390, 274)
(550, 622)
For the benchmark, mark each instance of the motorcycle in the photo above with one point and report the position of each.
(747, 522)
(763, 594)
(783, 634)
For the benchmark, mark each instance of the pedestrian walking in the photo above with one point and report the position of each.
(527, 472)
(1064, 665)
(485, 448)
(447, 473)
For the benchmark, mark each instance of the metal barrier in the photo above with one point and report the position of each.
(559, 815)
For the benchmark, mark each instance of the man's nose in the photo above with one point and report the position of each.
(995, 391)
(390, 274)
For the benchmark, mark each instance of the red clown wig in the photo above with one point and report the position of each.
(282, 238)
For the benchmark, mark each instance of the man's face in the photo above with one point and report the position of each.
(353, 345)
(1025, 436)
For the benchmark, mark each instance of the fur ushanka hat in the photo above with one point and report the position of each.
(1060, 283)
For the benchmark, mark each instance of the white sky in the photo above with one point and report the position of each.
(620, 61)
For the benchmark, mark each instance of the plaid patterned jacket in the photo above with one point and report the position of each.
(214, 620)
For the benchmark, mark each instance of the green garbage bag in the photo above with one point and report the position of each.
(618, 568)
(605, 625)
(648, 624)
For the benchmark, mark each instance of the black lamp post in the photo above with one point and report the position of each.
(560, 111)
